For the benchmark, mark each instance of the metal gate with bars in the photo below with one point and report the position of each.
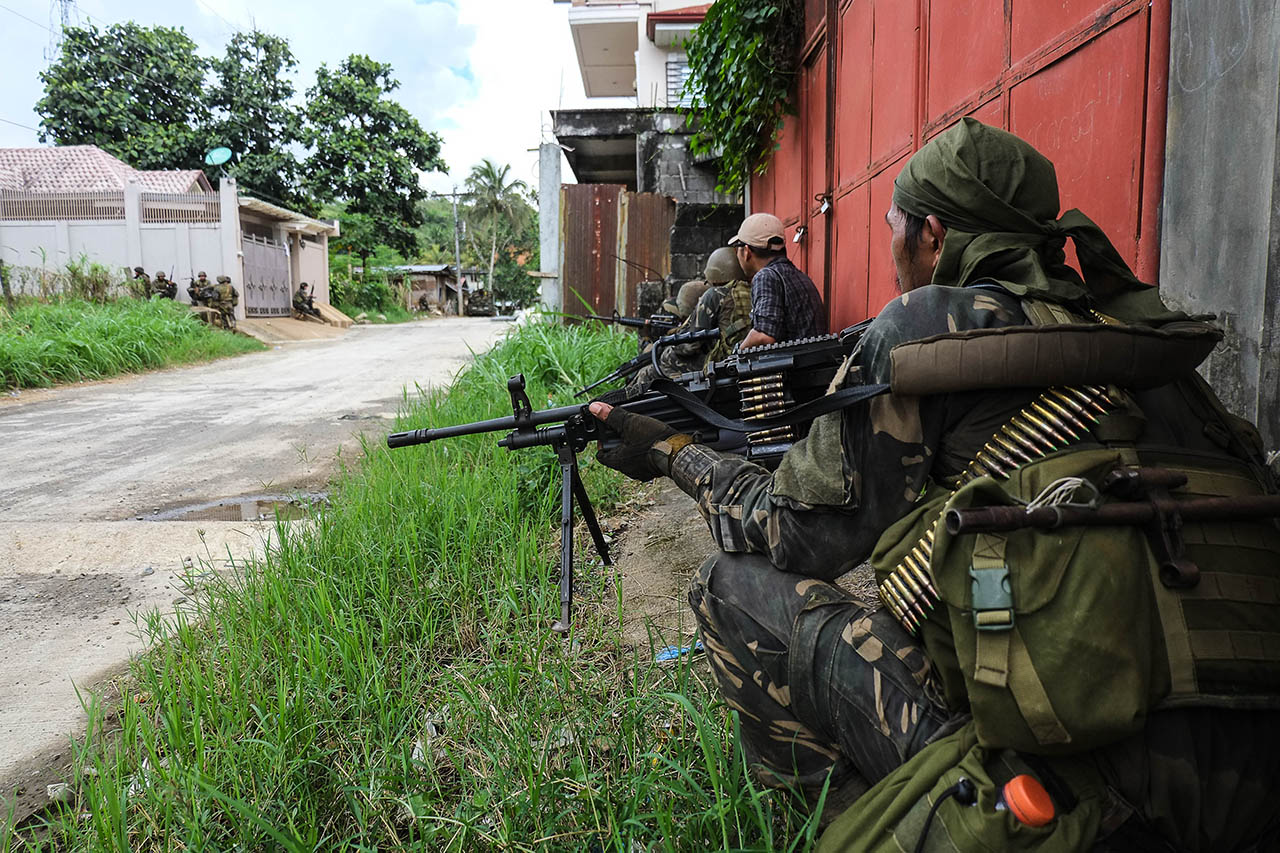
(267, 284)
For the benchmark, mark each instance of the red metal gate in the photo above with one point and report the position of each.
(1082, 80)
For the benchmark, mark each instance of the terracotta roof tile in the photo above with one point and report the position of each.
(85, 168)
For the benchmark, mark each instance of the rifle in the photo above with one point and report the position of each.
(632, 366)
(755, 403)
(660, 322)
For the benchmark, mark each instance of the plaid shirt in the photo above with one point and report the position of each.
(785, 305)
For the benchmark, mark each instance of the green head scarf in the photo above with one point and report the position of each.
(998, 198)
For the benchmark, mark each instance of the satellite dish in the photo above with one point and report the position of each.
(217, 156)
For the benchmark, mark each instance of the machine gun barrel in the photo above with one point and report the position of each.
(535, 419)
(657, 322)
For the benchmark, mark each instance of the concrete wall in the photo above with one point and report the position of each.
(180, 249)
(1220, 245)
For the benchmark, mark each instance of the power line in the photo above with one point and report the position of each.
(231, 28)
(20, 124)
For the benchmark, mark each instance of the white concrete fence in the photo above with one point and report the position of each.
(179, 233)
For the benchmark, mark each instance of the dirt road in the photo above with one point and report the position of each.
(106, 488)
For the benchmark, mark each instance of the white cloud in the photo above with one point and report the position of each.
(481, 73)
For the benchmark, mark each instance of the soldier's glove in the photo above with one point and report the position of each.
(647, 447)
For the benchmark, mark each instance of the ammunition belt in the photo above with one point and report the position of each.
(1057, 419)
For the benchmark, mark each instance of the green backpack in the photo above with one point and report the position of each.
(1061, 641)
(893, 815)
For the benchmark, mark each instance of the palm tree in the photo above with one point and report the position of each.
(495, 201)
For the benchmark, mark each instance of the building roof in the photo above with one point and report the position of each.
(297, 221)
(87, 168)
(684, 19)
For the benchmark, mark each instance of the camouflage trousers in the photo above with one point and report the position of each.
(831, 691)
(826, 686)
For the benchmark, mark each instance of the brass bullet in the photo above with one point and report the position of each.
(1032, 434)
(1049, 416)
(988, 463)
(1047, 429)
(1013, 434)
(1004, 458)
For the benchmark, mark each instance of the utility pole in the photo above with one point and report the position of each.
(457, 239)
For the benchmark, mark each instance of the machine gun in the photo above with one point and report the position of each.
(632, 366)
(755, 403)
(655, 326)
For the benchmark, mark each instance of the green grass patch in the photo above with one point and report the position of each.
(387, 679)
(45, 343)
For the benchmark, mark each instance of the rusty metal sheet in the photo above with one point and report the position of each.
(589, 244)
(649, 218)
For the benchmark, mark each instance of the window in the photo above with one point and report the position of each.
(677, 74)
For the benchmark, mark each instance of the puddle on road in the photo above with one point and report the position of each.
(244, 508)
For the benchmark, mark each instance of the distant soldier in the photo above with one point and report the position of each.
(727, 305)
(688, 306)
(227, 298)
(201, 290)
(140, 275)
(163, 287)
(304, 302)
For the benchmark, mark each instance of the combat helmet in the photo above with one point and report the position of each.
(723, 267)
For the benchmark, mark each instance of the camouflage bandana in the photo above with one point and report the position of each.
(998, 198)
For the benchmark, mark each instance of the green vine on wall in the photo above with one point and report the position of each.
(742, 67)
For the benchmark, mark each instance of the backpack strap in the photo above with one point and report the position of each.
(1001, 658)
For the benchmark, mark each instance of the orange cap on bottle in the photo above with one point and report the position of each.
(1028, 801)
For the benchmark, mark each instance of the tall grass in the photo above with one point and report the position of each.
(44, 343)
(386, 679)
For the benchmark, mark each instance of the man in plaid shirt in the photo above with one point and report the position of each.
(785, 305)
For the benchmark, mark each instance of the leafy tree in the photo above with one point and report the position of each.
(134, 91)
(496, 204)
(435, 234)
(368, 150)
(253, 116)
(743, 60)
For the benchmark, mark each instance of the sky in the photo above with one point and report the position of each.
(481, 73)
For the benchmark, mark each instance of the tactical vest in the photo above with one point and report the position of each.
(1061, 641)
(734, 320)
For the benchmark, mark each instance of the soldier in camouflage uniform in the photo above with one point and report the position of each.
(675, 360)
(304, 302)
(163, 287)
(227, 297)
(140, 275)
(726, 305)
(200, 290)
(833, 690)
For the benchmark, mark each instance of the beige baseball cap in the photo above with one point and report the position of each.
(762, 230)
